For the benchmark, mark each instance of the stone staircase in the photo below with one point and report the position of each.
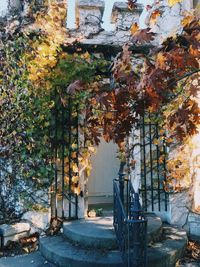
(92, 243)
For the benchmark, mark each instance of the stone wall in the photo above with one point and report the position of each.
(18, 195)
(90, 26)
(90, 30)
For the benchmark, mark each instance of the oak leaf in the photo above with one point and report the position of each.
(143, 36)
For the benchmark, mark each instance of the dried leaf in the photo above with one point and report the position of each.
(143, 36)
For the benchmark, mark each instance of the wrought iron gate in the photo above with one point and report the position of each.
(153, 165)
(64, 136)
(129, 223)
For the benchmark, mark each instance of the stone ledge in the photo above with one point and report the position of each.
(91, 4)
(194, 225)
(85, 4)
(37, 219)
(9, 230)
(13, 232)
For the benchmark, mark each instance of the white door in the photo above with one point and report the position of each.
(105, 167)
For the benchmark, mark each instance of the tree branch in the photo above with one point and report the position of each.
(183, 77)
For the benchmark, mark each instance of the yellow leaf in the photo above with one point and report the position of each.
(75, 179)
(160, 60)
(86, 56)
(77, 190)
(155, 141)
(92, 149)
(66, 179)
(173, 2)
(134, 28)
(88, 171)
(109, 115)
(66, 160)
(66, 168)
(187, 20)
(75, 167)
(74, 146)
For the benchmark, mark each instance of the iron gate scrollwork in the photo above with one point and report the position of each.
(153, 164)
(130, 223)
(64, 136)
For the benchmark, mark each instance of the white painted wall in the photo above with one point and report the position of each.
(105, 167)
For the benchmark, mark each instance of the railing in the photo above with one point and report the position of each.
(130, 224)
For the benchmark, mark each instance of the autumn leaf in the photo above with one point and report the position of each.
(173, 2)
(187, 20)
(194, 85)
(134, 28)
(73, 155)
(77, 190)
(169, 140)
(74, 87)
(156, 141)
(109, 115)
(66, 178)
(143, 36)
(74, 146)
(74, 167)
(161, 132)
(75, 179)
(154, 17)
(132, 4)
(161, 159)
(161, 60)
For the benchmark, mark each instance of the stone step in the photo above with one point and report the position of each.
(167, 252)
(99, 232)
(63, 253)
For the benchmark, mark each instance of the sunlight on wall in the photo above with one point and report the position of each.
(107, 15)
(3, 7)
(196, 170)
(196, 162)
(71, 14)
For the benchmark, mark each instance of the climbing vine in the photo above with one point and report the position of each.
(37, 75)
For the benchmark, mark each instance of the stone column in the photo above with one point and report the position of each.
(9, 6)
(3, 8)
(71, 14)
(135, 159)
(83, 180)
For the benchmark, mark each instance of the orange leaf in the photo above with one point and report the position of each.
(154, 17)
